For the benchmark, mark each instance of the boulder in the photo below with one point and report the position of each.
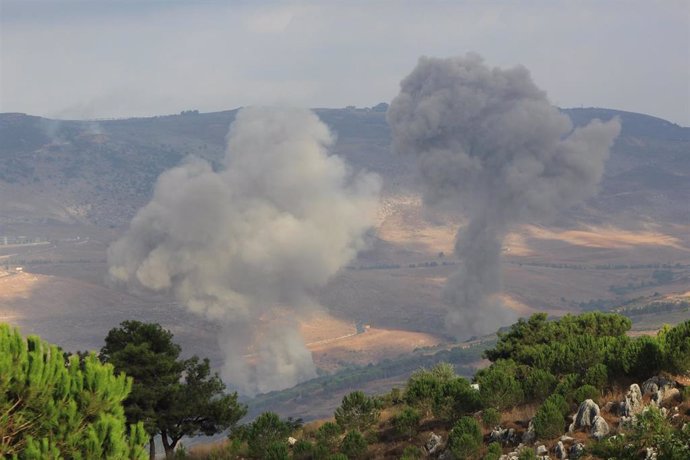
(657, 387)
(292, 441)
(576, 450)
(503, 435)
(561, 453)
(633, 401)
(542, 450)
(585, 416)
(529, 436)
(599, 428)
(434, 443)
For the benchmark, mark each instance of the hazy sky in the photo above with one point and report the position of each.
(83, 59)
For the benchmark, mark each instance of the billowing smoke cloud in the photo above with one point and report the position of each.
(275, 224)
(489, 142)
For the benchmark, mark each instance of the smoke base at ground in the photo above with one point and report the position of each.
(261, 234)
(489, 144)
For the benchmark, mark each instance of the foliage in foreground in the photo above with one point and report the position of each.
(53, 409)
(170, 396)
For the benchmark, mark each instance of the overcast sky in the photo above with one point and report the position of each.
(117, 58)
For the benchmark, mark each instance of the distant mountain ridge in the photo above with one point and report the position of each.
(102, 171)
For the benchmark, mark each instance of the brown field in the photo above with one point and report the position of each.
(62, 294)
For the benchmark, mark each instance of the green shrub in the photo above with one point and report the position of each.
(357, 411)
(412, 453)
(642, 357)
(494, 451)
(560, 402)
(455, 398)
(303, 450)
(526, 453)
(465, 439)
(597, 376)
(53, 409)
(677, 347)
(266, 431)
(406, 422)
(327, 435)
(425, 387)
(354, 445)
(276, 451)
(549, 420)
(498, 386)
(337, 456)
(491, 417)
(539, 384)
(586, 392)
(566, 387)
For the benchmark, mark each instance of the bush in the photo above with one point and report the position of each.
(494, 451)
(597, 376)
(560, 402)
(276, 451)
(586, 392)
(354, 445)
(53, 409)
(677, 347)
(407, 422)
(412, 453)
(491, 417)
(539, 384)
(549, 420)
(465, 438)
(266, 431)
(566, 387)
(642, 357)
(498, 386)
(527, 454)
(337, 456)
(455, 398)
(327, 435)
(425, 387)
(303, 450)
(357, 411)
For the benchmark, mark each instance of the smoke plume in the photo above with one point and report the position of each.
(489, 143)
(275, 224)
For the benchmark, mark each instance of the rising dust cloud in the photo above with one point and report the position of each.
(272, 226)
(489, 143)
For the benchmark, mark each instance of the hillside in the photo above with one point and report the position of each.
(577, 387)
(69, 188)
(101, 172)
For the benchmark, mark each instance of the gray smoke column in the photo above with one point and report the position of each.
(275, 224)
(489, 143)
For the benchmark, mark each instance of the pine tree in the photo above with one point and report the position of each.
(50, 408)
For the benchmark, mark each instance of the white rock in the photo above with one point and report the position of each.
(585, 416)
(561, 453)
(599, 428)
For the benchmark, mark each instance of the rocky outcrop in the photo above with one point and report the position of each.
(586, 413)
(576, 450)
(529, 436)
(659, 388)
(503, 435)
(632, 404)
(599, 428)
(561, 453)
(434, 443)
